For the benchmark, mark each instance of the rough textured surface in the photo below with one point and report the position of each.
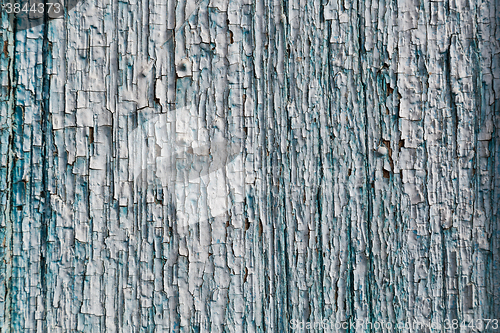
(364, 183)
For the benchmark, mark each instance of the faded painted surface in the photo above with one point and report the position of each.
(364, 183)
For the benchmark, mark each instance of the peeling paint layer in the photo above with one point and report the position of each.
(215, 165)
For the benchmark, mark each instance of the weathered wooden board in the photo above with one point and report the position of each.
(245, 166)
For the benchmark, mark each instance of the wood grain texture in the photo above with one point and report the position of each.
(216, 165)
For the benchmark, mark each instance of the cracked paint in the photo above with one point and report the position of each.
(216, 165)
